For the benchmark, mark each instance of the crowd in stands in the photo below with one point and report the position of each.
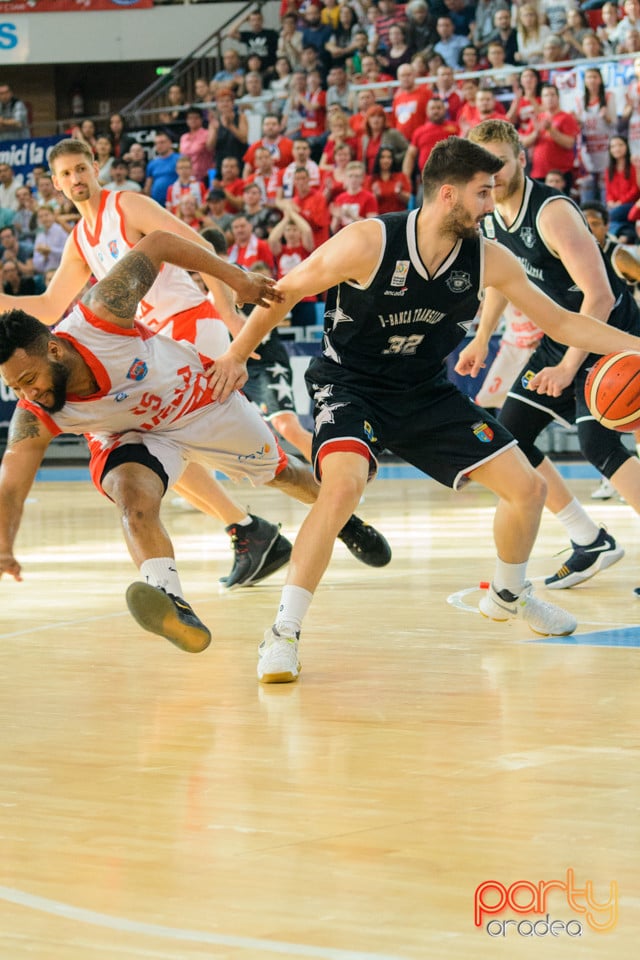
(329, 119)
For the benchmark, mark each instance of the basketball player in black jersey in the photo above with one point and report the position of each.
(403, 289)
(549, 235)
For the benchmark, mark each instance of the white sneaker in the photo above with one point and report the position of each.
(543, 618)
(606, 490)
(278, 658)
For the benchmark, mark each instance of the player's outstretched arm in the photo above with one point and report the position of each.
(66, 284)
(504, 272)
(27, 442)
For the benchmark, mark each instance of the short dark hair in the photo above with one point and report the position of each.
(217, 240)
(456, 161)
(598, 207)
(19, 330)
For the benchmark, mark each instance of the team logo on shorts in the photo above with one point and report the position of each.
(138, 370)
(527, 377)
(113, 249)
(458, 281)
(368, 432)
(400, 273)
(528, 237)
(483, 432)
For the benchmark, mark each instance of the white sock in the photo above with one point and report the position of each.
(578, 524)
(162, 572)
(510, 576)
(294, 603)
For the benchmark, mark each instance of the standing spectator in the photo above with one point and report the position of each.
(531, 34)
(355, 203)
(450, 43)
(526, 102)
(621, 188)
(280, 148)
(161, 170)
(48, 245)
(301, 158)
(504, 34)
(552, 137)
(435, 128)
(314, 112)
(316, 34)
(120, 179)
(229, 129)
(291, 242)
(104, 158)
(247, 248)
(9, 185)
(280, 85)
(312, 205)
(196, 144)
(185, 183)
(290, 40)
(595, 110)
(257, 38)
(409, 107)
(468, 115)
(389, 185)
(231, 77)
(377, 134)
(121, 141)
(14, 116)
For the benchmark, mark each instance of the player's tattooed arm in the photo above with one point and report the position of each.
(25, 425)
(123, 288)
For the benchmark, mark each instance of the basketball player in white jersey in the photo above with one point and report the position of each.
(111, 224)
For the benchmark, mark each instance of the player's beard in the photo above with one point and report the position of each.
(59, 381)
(505, 191)
(459, 224)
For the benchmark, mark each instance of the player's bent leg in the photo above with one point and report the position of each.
(288, 426)
(168, 616)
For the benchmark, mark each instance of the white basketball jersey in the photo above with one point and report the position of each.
(146, 382)
(173, 290)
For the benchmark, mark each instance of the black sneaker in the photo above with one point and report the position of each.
(251, 544)
(586, 561)
(169, 616)
(365, 543)
(277, 557)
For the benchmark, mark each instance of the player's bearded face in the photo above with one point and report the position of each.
(58, 391)
(461, 223)
(508, 183)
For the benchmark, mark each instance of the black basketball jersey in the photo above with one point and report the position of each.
(398, 327)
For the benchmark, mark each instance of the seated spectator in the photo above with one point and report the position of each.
(104, 158)
(120, 179)
(391, 13)
(462, 14)
(255, 65)
(341, 45)
(378, 134)
(592, 47)
(315, 34)
(48, 244)
(85, 130)
(338, 89)
(314, 112)
(409, 107)
(449, 43)
(435, 128)
(293, 110)
(502, 81)
(161, 170)
(621, 188)
(291, 242)
(339, 132)
(201, 91)
(557, 180)
(373, 73)
(185, 183)
(364, 100)
(67, 215)
(46, 193)
(247, 248)
(261, 217)
(232, 74)
(215, 213)
(188, 210)
(355, 203)
(487, 107)
(301, 158)
(398, 51)
(257, 38)
(607, 31)
(14, 283)
(467, 114)
(445, 89)
(574, 33)
(531, 34)
(312, 205)
(419, 26)
(14, 116)
(389, 185)
(196, 144)
(330, 13)
(280, 85)
(9, 185)
(229, 180)
(121, 141)
(553, 51)
(138, 173)
(629, 24)
(253, 103)
(11, 248)
(504, 34)
(555, 13)
(172, 113)
(333, 177)
(266, 176)
(469, 59)
(354, 63)
(526, 103)
(229, 129)
(25, 219)
(280, 148)
(290, 40)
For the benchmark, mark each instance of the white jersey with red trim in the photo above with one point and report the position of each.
(173, 291)
(146, 381)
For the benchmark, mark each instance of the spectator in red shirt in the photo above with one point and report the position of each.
(266, 176)
(552, 137)
(467, 114)
(247, 248)
(280, 148)
(231, 182)
(409, 107)
(355, 203)
(312, 205)
(435, 129)
(334, 179)
(291, 242)
(388, 183)
(314, 119)
(364, 100)
(378, 133)
(621, 189)
(486, 107)
(445, 89)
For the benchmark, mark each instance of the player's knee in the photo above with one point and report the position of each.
(135, 490)
(607, 456)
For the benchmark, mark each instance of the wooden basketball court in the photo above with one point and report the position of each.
(160, 805)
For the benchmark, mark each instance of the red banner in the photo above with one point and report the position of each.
(70, 6)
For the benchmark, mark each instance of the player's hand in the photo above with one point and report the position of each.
(258, 289)
(226, 375)
(551, 381)
(9, 565)
(471, 359)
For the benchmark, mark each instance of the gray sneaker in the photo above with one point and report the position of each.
(278, 658)
(543, 618)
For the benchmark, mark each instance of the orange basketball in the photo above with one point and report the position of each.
(612, 391)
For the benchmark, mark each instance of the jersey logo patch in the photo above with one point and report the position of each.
(528, 237)
(483, 432)
(458, 281)
(138, 370)
(489, 228)
(113, 249)
(400, 273)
